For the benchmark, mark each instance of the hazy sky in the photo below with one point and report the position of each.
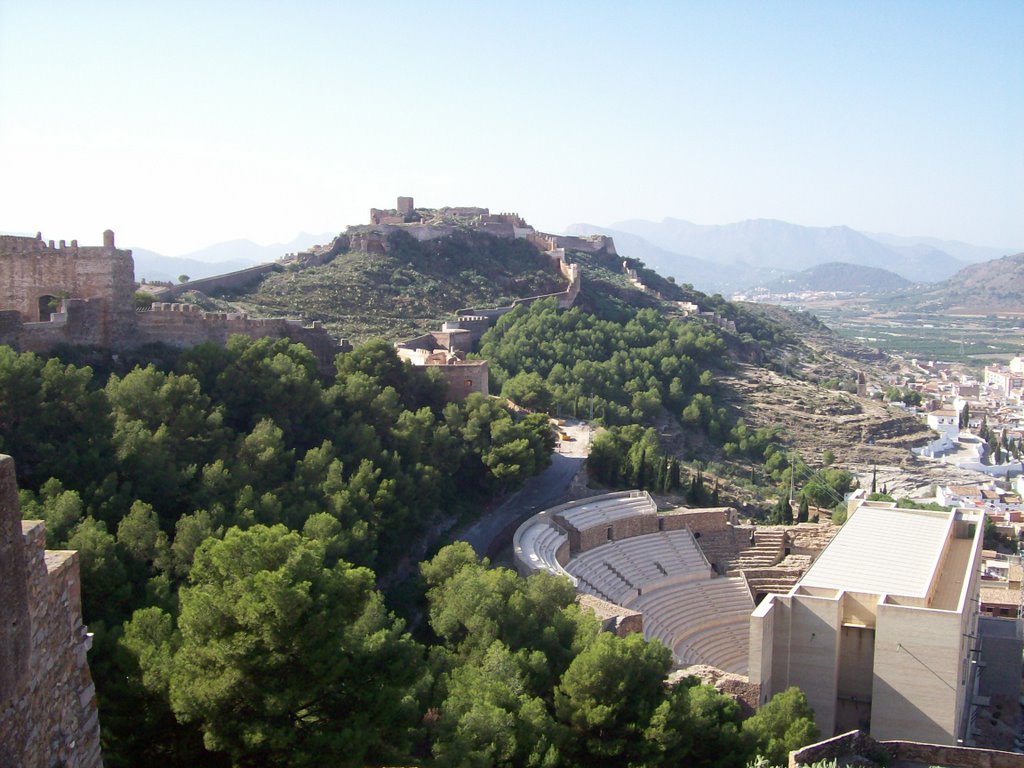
(182, 124)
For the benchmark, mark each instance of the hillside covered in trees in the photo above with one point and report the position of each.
(235, 512)
(139, 471)
(248, 527)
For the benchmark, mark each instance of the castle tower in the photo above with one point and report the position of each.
(862, 385)
(35, 277)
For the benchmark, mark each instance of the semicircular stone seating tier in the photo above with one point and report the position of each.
(703, 618)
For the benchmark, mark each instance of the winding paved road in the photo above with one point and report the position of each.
(493, 532)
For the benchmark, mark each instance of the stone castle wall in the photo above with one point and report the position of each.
(31, 268)
(185, 325)
(858, 744)
(475, 326)
(465, 377)
(698, 521)
(97, 286)
(570, 272)
(81, 321)
(48, 713)
(589, 244)
(230, 281)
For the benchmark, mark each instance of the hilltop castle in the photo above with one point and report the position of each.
(85, 295)
(433, 223)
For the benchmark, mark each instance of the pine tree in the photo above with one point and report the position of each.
(874, 479)
(641, 470)
(805, 509)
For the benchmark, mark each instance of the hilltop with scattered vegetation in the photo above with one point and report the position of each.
(409, 289)
(982, 289)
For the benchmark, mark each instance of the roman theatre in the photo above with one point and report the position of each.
(687, 577)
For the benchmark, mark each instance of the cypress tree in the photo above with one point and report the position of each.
(804, 513)
(641, 470)
(661, 479)
(674, 481)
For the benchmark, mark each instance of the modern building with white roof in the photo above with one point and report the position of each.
(880, 631)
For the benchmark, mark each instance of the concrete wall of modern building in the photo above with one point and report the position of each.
(917, 674)
(814, 624)
(900, 666)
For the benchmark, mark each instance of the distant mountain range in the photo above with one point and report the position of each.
(840, 276)
(753, 253)
(219, 258)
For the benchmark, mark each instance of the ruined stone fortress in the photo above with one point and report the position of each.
(446, 349)
(433, 223)
(52, 294)
(48, 710)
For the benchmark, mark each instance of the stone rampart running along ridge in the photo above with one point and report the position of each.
(229, 281)
(566, 298)
(48, 712)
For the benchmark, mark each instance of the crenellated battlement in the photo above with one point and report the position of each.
(14, 245)
(58, 293)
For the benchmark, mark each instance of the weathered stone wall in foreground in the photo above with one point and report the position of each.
(48, 713)
(857, 744)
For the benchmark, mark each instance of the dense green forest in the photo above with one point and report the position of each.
(626, 371)
(235, 512)
(634, 373)
(137, 471)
